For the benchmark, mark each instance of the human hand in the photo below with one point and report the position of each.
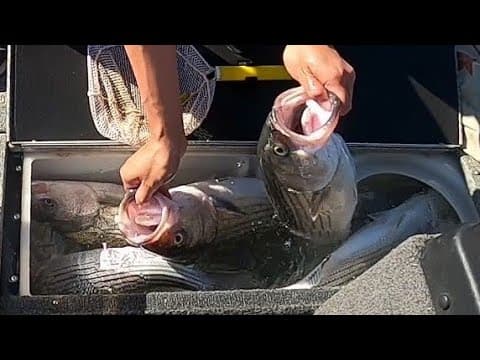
(152, 166)
(319, 68)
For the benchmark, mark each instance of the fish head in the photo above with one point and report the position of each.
(295, 140)
(170, 227)
(171, 243)
(66, 205)
(148, 222)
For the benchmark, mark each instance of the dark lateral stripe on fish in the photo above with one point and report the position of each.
(126, 282)
(348, 271)
(166, 270)
(299, 220)
(259, 218)
(353, 269)
(282, 199)
(121, 280)
(323, 222)
(310, 203)
(250, 215)
(75, 273)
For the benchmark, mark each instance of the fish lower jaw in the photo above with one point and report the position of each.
(309, 143)
(138, 239)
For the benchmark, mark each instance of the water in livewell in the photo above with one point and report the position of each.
(278, 258)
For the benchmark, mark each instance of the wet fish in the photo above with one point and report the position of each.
(224, 210)
(83, 215)
(127, 270)
(46, 244)
(116, 270)
(71, 216)
(83, 212)
(308, 170)
(421, 214)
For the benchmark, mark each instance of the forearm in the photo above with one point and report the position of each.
(155, 69)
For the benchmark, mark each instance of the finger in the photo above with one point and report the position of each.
(129, 178)
(145, 191)
(312, 86)
(345, 109)
(340, 91)
(349, 84)
(347, 106)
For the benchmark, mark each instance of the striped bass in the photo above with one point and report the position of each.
(308, 170)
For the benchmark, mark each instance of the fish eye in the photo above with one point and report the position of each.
(48, 203)
(179, 239)
(280, 150)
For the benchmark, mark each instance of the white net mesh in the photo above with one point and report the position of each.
(114, 96)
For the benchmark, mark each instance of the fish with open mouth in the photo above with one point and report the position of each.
(308, 170)
(228, 210)
(209, 225)
(198, 214)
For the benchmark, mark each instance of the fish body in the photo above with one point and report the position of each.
(83, 212)
(196, 215)
(308, 170)
(213, 217)
(421, 214)
(116, 271)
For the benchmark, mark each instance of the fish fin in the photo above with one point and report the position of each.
(400, 221)
(226, 207)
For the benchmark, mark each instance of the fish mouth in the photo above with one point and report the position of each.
(163, 215)
(289, 115)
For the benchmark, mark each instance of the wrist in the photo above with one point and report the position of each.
(170, 140)
(176, 138)
(164, 124)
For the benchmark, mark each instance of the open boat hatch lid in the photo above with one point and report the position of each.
(403, 95)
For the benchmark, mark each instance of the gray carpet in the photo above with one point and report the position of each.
(394, 286)
(241, 302)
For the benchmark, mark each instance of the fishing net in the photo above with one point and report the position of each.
(114, 96)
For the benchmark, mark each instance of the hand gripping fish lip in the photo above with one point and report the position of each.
(128, 226)
(283, 111)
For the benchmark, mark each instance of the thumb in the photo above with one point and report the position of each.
(313, 87)
(132, 184)
(144, 192)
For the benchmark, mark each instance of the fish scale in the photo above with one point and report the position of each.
(311, 182)
(423, 213)
(286, 201)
